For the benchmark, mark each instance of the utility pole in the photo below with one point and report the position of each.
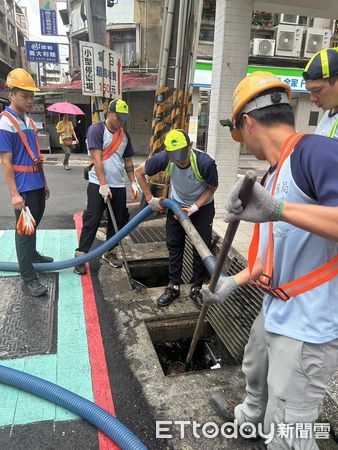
(96, 23)
(70, 39)
(180, 30)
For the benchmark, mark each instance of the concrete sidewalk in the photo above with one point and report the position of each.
(243, 236)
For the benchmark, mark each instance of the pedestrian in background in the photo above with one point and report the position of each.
(23, 168)
(111, 152)
(66, 134)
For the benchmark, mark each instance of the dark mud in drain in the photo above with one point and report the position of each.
(172, 337)
(171, 352)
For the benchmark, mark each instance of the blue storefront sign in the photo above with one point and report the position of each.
(42, 51)
(48, 19)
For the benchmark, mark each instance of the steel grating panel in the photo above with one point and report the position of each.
(233, 319)
(27, 324)
(147, 235)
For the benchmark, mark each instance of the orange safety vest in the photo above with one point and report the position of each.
(37, 162)
(321, 275)
(114, 145)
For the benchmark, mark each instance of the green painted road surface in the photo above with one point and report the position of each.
(69, 367)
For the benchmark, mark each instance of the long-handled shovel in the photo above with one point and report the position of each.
(133, 283)
(244, 195)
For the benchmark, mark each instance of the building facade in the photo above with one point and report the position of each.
(13, 32)
(281, 43)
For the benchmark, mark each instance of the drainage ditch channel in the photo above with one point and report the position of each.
(171, 339)
(152, 339)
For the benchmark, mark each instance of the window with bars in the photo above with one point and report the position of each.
(207, 33)
(313, 118)
(209, 10)
(124, 43)
(11, 33)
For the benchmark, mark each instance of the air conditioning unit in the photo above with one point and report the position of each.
(316, 39)
(263, 47)
(290, 19)
(289, 40)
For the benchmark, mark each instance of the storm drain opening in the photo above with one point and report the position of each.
(171, 339)
(150, 272)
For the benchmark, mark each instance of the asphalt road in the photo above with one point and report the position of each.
(68, 195)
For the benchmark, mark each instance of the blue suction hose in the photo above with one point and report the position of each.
(105, 422)
(95, 415)
(139, 218)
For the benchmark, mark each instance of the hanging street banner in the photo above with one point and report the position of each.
(48, 17)
(46, 52)
(101, 71)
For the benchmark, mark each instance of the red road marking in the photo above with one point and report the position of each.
(101, 386)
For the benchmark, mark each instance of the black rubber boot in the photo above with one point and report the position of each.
(81, 268)
(35, 288)
(225, 405)
(38, 258)
(196, 296)
(168, 296)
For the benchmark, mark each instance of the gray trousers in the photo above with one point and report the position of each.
(66, 149)
(286, 380)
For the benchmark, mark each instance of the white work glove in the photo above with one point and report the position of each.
(105, 192)
(224, 288)
(134, 190)
(155, 204)
(190, 209)
(262, 206)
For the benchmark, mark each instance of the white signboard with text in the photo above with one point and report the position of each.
(101, 71)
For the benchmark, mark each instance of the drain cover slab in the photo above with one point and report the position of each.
(26, 323)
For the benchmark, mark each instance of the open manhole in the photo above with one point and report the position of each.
(172, 338)
(151, 273)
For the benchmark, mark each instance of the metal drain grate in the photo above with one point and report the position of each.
(146, 235)
(233, 319)
(27, 324)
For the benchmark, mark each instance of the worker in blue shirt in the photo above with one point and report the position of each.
(23, 169)
(193, 181)
(293, 257)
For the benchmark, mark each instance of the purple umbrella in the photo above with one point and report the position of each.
(65, 108)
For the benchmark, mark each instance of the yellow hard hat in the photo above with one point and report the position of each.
(21, 79)
(244, 97)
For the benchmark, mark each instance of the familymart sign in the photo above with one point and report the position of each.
(293, 77)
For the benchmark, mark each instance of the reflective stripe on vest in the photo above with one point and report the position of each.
(333, 130)
(318, 276)
(114, 145)
(194, 166)
(37, 162)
